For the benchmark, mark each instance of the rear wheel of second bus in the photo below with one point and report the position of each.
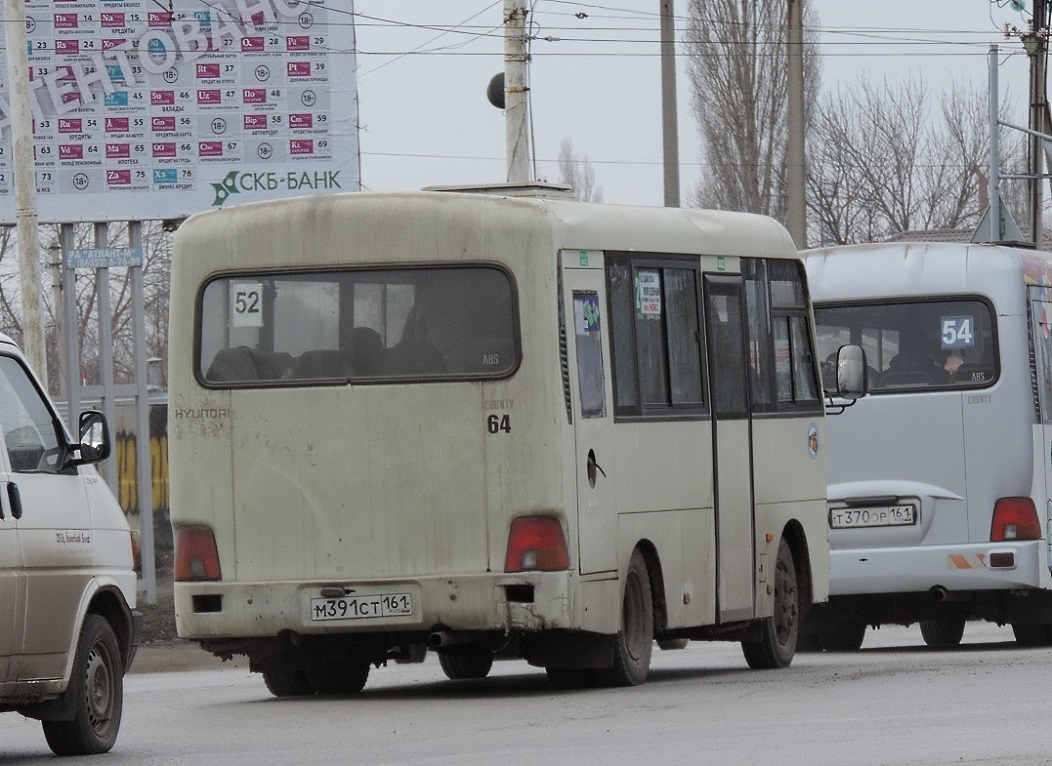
(634, 643)
(843, 637)
(942, 633)
(463, 665)
(1032, 635)
(286, 678)
(338, 677)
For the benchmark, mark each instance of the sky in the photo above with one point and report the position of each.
(423, 69)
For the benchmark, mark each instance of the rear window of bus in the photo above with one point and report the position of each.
(357, 325)
(914, 345)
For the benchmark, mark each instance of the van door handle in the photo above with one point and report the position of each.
(16, 499)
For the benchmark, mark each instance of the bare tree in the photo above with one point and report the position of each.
(738, 79)
(85, 326)
(881, 158)
(880, 162)
(578, 174)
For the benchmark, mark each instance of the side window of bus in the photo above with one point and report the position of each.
(31, 435)
(794, 362)
(591, 381)
(656, 336)
(781, 354)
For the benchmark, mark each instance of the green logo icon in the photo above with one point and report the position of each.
(225, 188)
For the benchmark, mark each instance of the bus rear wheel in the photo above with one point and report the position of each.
(338, 677)
(634, 643)
(942, 633)
(779, 632)
(1032, 635)
(286, 677)
(843, 637)
(464, 665)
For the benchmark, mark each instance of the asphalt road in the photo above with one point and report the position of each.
(893, 703)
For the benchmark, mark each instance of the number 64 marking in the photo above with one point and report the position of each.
(497, 423)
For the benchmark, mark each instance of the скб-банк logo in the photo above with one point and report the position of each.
(225, 188)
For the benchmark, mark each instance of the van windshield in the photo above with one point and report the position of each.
(913, 345)
(357, 325)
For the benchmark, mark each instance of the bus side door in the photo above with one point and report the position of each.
(584, 307)
(732, 447)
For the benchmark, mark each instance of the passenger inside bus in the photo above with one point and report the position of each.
(319, 363)
(468, 321)
(240, 363)
(915, 364)
(952, 362)
(364, 348)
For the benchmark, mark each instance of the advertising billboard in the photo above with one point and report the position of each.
(145, 110)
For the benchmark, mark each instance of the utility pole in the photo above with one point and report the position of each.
(516, 91)
(25, 187)
(796, 207)
(993, 179)
(669, 113)
(997, 224)
(1038, 50)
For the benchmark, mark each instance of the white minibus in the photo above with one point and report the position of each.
(940, 494)
(490, 424)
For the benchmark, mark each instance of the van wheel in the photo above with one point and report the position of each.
(97, 688)
(942, 633)
(634, 643)
(843, 637)
(1032, 635)
(465, 665)
(338, 677)
(779, 632)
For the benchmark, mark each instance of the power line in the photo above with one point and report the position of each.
(438, 37)
(632, 163)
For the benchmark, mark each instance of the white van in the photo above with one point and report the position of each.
(67, 580)
(940, 494)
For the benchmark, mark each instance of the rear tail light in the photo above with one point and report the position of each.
(196, 555)
(1015, 518)
(536, 543)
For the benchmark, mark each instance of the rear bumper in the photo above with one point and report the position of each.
(489, 602)
(953, 567)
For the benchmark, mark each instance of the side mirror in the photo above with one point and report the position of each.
(94, 437)
(851, 373)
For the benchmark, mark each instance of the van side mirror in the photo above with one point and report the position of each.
(851, 374)
(94, 437)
